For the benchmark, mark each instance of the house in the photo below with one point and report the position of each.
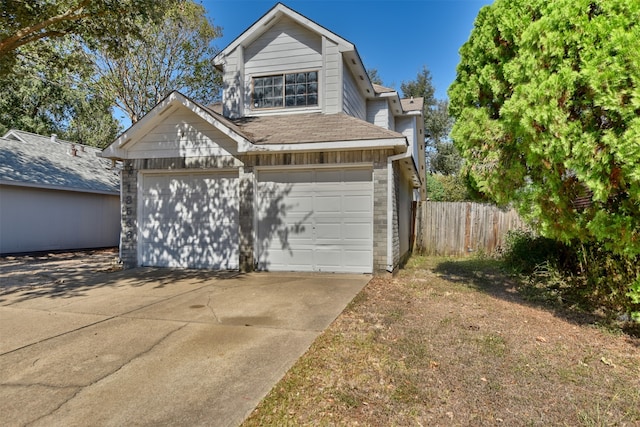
(55, 195)
(305, 166)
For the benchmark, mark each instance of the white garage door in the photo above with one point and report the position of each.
(189, 220)
(315, 220)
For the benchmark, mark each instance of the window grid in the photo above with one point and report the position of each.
(286, 90)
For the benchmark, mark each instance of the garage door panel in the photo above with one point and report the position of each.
(357, 231)
(328, 259)
(302, 204)
(189, 220)
(357, 203)
(282, 259)
(355, 258)
(315, 214)
(328, 231)
(328, 204)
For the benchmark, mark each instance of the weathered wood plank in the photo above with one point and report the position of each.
(462, 228)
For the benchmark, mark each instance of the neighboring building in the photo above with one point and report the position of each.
(55, 195)
(306, 165)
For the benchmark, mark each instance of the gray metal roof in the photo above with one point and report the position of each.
(38, 161)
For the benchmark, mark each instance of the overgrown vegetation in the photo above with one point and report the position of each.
(585, 277)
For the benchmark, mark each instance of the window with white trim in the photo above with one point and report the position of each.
(286, 90)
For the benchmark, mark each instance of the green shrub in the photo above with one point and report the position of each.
(523, 252)
(447, 188)
(587, 277)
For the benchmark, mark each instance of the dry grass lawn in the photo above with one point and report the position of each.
(454, 343)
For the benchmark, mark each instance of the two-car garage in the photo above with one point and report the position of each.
(307, 219)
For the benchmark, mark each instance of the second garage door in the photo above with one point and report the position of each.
(189, 220)
(315, 220)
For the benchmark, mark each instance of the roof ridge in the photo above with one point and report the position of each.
(48, 138)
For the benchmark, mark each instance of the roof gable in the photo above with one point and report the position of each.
(27, 159)
(167, 128)
(271, 18)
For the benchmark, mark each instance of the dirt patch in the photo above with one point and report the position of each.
(454, 343)
(21, 272)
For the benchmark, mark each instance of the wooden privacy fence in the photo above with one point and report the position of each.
(462, 228)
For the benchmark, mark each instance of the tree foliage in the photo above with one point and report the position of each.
(172, 55)
(374, 76)
(44, 99)
(96, 22)
(422, 86)
(442, 156)
(547, 109)
(447, 188)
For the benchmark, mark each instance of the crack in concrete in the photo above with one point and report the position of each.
(58, 335)
(126, 314)
(211, 309)
(127, 362)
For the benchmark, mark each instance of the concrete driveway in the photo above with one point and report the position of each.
(157, 346)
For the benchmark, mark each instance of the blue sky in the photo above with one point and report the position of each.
(397, 37)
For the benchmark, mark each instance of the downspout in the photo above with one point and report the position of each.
(390, 186)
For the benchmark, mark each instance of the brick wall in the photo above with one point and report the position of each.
(129, 215)
(246, 211)
(380, 180)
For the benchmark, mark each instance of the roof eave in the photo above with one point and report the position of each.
(399, 145)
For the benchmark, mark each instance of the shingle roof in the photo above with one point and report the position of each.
(412, 104)
(382, 89)
(309, 127)
(35, 160)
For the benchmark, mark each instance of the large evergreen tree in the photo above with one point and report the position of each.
(547, 108)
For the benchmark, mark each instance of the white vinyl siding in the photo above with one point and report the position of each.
(285, 47)
(188, 220)
(379, 114)
(407, 127)
(315, 220)
(233, 84)
(333, 78)
(354, 103)
(183, 134)
(34, 219)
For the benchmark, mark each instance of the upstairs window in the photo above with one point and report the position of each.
(286, 90)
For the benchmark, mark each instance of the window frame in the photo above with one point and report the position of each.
(283, 76)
